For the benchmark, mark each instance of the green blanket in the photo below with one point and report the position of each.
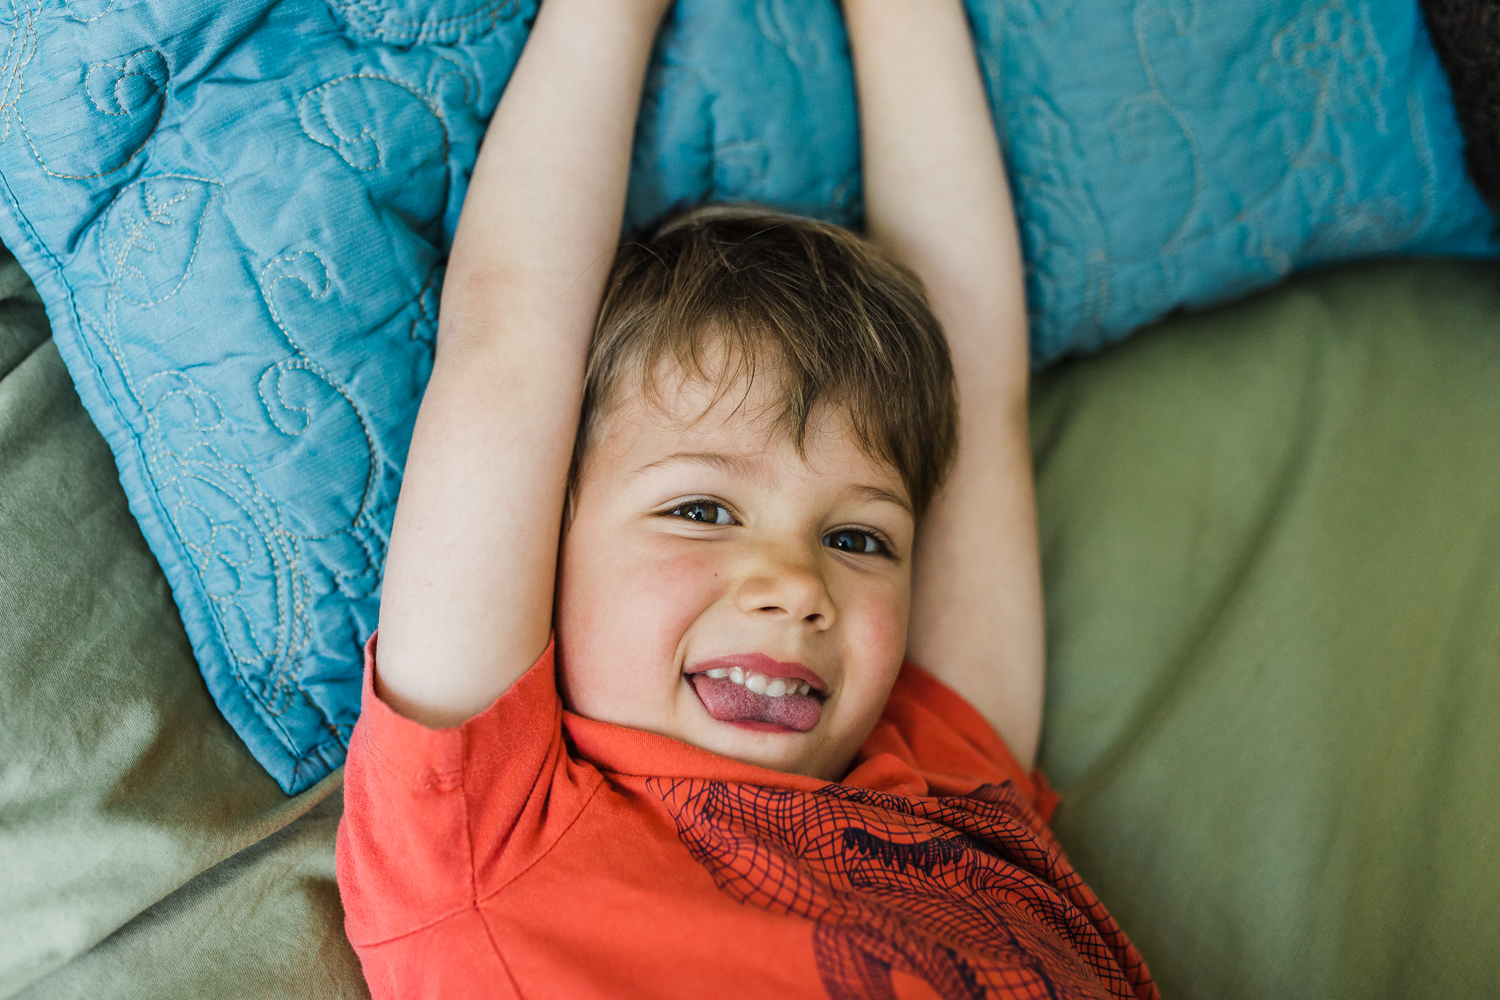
(1269, 535)
(1273, 592)
(143, 853)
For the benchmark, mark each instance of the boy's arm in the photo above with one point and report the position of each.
(936, 197)
(466, 603)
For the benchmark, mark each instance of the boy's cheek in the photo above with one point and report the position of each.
(636, 593)
(621, 619)
(674, 583)
(885, 636)
(876, 616)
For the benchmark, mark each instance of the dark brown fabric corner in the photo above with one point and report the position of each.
(1466, 34)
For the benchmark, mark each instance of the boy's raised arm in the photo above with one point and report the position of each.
(936, 196)
(466, 603)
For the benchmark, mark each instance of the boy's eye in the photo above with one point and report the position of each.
(704, 511)
(851, 540)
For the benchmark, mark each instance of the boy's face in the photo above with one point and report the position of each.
(718, 588)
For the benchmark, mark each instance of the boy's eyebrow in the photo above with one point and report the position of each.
(717, 459)
(743, 465)
(740, 465)
(878, 495)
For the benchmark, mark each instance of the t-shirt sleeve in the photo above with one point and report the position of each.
(437, 819)
(953, 746)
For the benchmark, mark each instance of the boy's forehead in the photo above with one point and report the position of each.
(677, 402)
(735, 429)
(669, 397)
(693, 417)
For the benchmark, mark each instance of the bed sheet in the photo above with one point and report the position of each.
(124, 794)
(1273, 591)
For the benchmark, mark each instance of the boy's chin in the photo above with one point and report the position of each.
(807, 754)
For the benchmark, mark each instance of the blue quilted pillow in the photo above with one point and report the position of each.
(237, 215)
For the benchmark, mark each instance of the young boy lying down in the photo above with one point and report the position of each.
(645, 718)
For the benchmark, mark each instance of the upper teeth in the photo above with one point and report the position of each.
(760, 683)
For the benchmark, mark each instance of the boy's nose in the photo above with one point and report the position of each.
(784, 585)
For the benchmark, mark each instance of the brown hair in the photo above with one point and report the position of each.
(838, 320)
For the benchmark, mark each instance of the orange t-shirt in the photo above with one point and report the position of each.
(532, 852)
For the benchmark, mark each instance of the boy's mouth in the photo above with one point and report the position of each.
(782, 696)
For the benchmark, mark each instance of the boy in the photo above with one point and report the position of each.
(747, 791)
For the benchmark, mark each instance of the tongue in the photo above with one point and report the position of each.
(731, 702)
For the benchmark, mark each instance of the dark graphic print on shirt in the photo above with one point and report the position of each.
(959, 892)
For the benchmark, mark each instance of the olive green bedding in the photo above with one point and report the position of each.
(1271, 539)
(1270, 546)
(143, 852)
